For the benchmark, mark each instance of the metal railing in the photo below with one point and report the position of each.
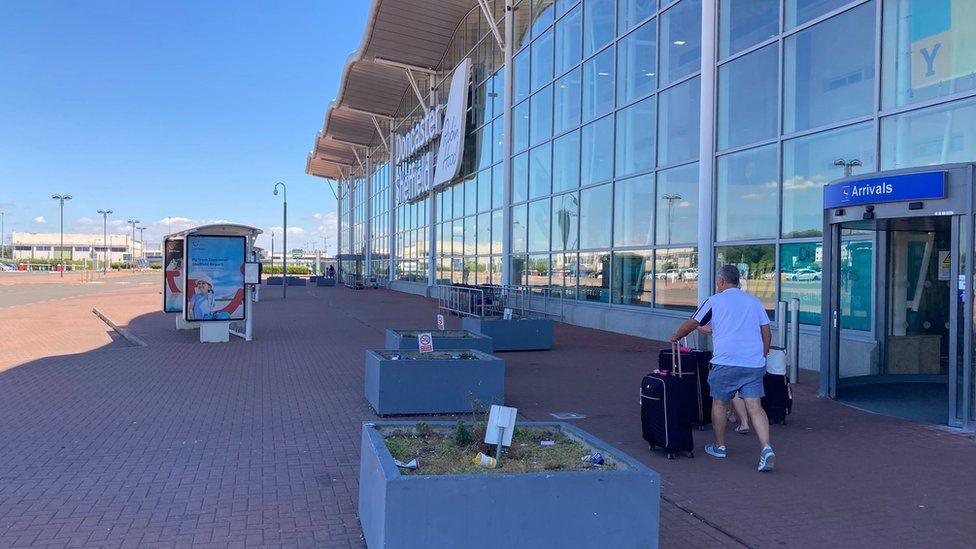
(492, 300)
(461, 300)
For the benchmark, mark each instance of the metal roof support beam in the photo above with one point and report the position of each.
(486, 10)
(344, 142)
(361, 165)
(380, 132)
(416, 90)
(405, 66)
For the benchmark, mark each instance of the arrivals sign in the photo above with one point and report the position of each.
(214, 278)
(173, 275)
(891, 188)
(416, 170)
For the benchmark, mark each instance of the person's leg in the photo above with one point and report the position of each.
(739, 406)
(719, 410)
(759, 420)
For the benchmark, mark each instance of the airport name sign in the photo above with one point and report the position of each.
(415, 170)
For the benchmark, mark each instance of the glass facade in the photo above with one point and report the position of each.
(606, 151)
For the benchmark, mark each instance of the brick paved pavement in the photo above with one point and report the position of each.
(256, 443)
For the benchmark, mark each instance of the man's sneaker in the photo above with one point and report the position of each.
(717, 451)
(767, 459)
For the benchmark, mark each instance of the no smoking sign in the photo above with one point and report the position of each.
(426, 342)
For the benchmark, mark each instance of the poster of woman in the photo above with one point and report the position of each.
(173, 276)
(214, 278)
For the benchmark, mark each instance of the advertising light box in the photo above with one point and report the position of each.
(173, 275)
(214, 278)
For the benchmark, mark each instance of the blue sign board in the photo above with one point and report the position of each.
(890, 188)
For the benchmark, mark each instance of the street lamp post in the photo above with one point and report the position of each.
(848, 165)
(132, 252)
(105, 214)
(61, 198)
(142, 242)
(284, 238)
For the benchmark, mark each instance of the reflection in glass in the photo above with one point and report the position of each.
(595, 211)
(808, 164)
(594, 277)
(746, 195)
(678, 128)
(539, 225)
(757, 269)
(633, 211)
(677, 205)
(565, 222)
(598, 22)
(635, 139)
(470, 235)
(542, 15)
(681, 41)
(520, 178)
(537, 271)
(636, 71)
(541, 126)
(566, 162)
(520, 126)
(744, 23)
(598, 85)
(497, 218)
(498, 188)
(542, 61)
(520, 227)
(521, 77)
(563, 275)
(484, 234)
(567, 104)
(829, 71)
(540, 170)
(935, 135)
(747, 98)
(676, 278)
(633, 280)
(631, 12)
(484, 191)
(596, 159)
(516, 268)
(799, 12)
(569, 40)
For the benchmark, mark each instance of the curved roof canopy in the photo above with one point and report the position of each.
(218, 229)
(399, 33)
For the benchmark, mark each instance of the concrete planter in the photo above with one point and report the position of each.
(273, 281)
(432, 383)
(517, 334)
(593, 508)
(448, 339)
(296, 281)
(323, 281)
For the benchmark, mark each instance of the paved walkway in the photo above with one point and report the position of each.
(179, 443)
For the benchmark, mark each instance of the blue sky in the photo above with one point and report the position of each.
(189, 110)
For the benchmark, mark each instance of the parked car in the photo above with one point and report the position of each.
(805, 275)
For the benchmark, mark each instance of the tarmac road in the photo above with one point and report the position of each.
(28, 292)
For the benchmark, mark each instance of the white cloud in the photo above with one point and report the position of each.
(85, 221)
(40, 219)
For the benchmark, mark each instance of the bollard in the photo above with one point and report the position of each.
(794, 344)
(781, 321)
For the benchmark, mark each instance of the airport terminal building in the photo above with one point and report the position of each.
(613, 153)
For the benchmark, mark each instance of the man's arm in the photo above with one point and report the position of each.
(686, 328)
(767, 338)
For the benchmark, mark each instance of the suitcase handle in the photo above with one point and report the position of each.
(676, 358)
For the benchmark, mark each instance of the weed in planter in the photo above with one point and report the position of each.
(462, 435)
(423, 430)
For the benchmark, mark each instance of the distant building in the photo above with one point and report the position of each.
(77, 246)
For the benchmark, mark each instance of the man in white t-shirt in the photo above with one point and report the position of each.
(741, 339)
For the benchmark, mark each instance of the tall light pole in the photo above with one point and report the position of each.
(142, 242)
(105, 214)
(848, 165)
(61, 198)
(132, 253)
(284, 238)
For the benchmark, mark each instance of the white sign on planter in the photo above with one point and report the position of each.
(440, 322)
(426, 342)
(500, 418)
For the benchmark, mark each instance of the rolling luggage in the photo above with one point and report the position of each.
(778, 401)
(698, 363)
(667, 397)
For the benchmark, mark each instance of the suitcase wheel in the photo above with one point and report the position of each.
(691, 454)
(701, 427)
(670, 455)
(783, 422)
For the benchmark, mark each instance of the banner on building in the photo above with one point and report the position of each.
(214, 278)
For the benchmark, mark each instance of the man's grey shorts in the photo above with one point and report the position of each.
(725, 381)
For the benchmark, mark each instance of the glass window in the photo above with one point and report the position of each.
(520, 123)
(484, 191)
(631, 12)
(569, 41)
(596, 159)
(633, 211)
(636, 72)
(564, 275)
(598, 19)
(744, 23)
(799, 12)
(936, 135)
(566, 162)
(517, 269)
(498, 140)
(594, 277)
(808, 165)
(681, 41)
(633, 280)
(539, 225)
(521, 23)
(498, 93)
(562, 6)
(677, 205)
(520, 227)
(457, 236)
(635, 138)
(542, 15)
(522, 82)
(498, 185)
(470, 235)
(497, 218)
(746, 195)
(537, 270)
(676, 278)
(458, 203)
(678, 129)
(567, 103)
(598, 85)
(927, 50)
(565, 226)
(757, 269)
(520, 178)
(830, 71)
(542, 61)
(540, 171)
(748, 89)
(541, 126)
(801, 269)
(471, 196)
(595, 210)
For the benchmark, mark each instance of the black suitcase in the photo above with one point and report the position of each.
(778, 401)
(666, 407)
(697, 363)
